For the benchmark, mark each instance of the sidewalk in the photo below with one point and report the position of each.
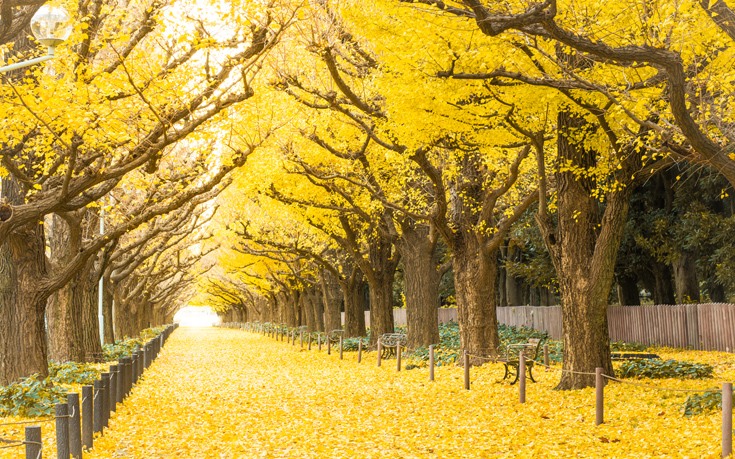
(221, 393)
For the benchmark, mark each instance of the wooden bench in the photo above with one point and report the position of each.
(334, 336)
(390, 341)
(512, 362)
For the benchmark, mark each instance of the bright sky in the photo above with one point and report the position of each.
(196, 316)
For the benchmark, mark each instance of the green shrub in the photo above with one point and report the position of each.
(622, 346)
(125, 347)
(703, 402)
(657, 369)
(30, 397)
(73, 373)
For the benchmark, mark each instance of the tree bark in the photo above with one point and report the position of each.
(107, 306)
(685, 278)
(354, 297)
(308, 305)
(422, 280)
(317, 302)
(628, 294)
(514, 286)
(475, 276)
(23, 350)
(332, 301)
(584, 250)
(381, 275)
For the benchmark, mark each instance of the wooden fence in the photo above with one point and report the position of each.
(708, 326)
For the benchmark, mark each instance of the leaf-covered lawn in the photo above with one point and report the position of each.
(217, 393)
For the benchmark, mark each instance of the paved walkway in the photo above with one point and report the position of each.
(218, 393)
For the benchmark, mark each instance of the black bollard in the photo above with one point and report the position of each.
(75, 425)
(87, 416)
(98, 416)
(105, 399)
(33, 442)
(62, 431)
(114, 375)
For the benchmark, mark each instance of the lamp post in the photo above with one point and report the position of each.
(51, 26)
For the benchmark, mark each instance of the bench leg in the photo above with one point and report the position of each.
(506, 370)
(517, 374)
(530, 372)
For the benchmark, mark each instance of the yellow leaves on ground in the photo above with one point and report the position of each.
(227, 393)
(217, 393)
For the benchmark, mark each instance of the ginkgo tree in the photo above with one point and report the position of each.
(132, 83)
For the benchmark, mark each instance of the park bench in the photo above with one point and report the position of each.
(632, 356)
(390, 341)
(511, 360)
(334, 336)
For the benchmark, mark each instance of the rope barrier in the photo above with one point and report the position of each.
(561, 369)
(26, 422)
(17, 443)
(656, 387)
(489, 359)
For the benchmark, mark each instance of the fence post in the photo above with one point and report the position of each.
(359, 350)
(141, 367)
(293, 338)
(329, 346)
(431, 362)
(546, 357)
(87, 416)
(398, 357)
(62, 431)
(98, 416)
(466, 363)
(319, 341)
(521, 377)
(105, 399)
(340, 348)
(75, 426)
(33, 442)
(134, 368)
(114, 378)
(599, 397)
(380, 350)
(301, 340)
(726, 419)
(309, 345)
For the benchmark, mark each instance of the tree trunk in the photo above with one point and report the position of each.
(383, 264)
(317, 302)
(332, 301)
(475, 276)
(23, 350)
(88, 290)
(546, 297)
(107, 306)
(354, 296)
(422, 285)
(502, 293)
(514, 286)
(584, 250)
(308, 305)
(628, 291)
(685, 277)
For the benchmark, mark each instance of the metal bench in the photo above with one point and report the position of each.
(390, 341)
(334, 336)
(512, 362)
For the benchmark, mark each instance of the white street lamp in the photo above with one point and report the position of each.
(51, 26)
